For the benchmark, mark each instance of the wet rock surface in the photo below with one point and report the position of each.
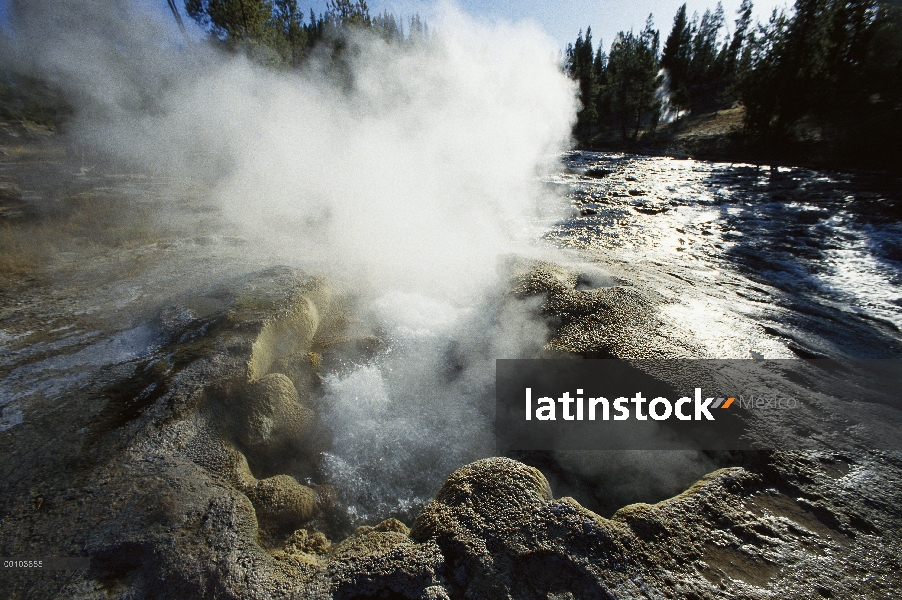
(181, 455)
(171, 509)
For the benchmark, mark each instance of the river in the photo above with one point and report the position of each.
(754, 261)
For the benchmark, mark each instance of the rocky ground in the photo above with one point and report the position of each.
(159, 489)
(178, 456)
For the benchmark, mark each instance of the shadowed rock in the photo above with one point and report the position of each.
(387, 564)
(489, 519)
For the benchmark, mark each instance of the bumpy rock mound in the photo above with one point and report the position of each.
(485, 521)
(172, 501)
(252, 411)
(612, 320)
(282, 499)
(736, 534)
(380, 563)
(269, 413)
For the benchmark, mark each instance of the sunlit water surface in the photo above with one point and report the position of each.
(759, 261)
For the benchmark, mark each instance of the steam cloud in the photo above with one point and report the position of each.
(411, 184)
(415, 178)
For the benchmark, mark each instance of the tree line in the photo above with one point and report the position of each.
(278, 33)
(836, 63)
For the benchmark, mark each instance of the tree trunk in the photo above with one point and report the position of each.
(243, 17)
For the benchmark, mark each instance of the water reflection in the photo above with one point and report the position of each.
(754, 261)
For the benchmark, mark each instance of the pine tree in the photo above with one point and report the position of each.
(675, 59)
(232, 21)
(581, 66)
(345, 13)
(416, 34)
(631, 80)
(588, 83)
(602, 105)
(290, 25)
(387, 26)
(704, 74)
(740, 33)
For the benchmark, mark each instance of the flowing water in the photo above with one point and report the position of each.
(753, 260)
(740, 261)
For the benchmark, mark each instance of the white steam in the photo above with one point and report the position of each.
(410, 184)
(669, 112)
(416, 179)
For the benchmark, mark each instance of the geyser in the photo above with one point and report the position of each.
(408, 180)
